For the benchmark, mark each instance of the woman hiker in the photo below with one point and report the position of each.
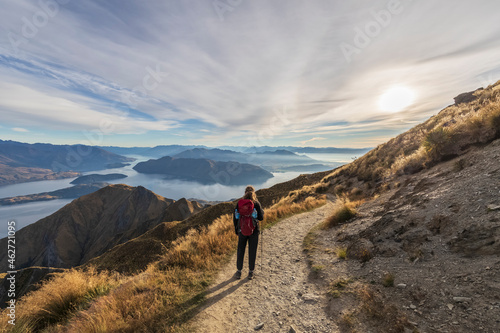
(246, 214)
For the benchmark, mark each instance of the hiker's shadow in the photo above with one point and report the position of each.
(213, 296)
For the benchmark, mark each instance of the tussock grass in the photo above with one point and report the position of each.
(337, 287)
(60, 298)
(344, 211)
(160, 299)
(341, 253)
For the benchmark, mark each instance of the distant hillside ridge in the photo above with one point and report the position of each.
(273, 161)
(72, 192)
(57, 157)
(213, 154)
(205, 171)
(92, 224)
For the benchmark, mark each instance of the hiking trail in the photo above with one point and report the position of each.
(281, 295)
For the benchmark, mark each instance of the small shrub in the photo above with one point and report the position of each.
(388, 280)
(348, 319)
(341, 253)
(317, 268)
(360, 249)
(342, 213)
(339, 189)
(494, 120)
(356, 192)
(322, 189)
(459, 165)
(337, 286)
(437, 142)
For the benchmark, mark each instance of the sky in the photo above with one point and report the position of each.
(237, 72)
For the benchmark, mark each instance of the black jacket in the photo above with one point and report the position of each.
(260, 215)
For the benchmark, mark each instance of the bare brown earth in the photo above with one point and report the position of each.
(438, 236)
(435, 233)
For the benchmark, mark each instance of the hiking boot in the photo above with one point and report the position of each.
(250, 275)
(237, 275)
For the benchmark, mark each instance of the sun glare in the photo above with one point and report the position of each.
(396, 99)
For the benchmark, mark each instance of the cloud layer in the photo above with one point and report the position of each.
(270, 72)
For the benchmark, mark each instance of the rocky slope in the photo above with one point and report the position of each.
(92, 224)
(437, 235)
(205, 171)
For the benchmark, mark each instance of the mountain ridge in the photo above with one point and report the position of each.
(92, 224)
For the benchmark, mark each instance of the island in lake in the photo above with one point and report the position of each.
(96, 178)
(205, 171)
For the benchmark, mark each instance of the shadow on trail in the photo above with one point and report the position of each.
(202, 301)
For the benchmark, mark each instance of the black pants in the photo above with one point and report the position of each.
(253, 241)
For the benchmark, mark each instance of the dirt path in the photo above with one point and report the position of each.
(281, 296)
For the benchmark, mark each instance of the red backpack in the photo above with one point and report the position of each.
(245, 208)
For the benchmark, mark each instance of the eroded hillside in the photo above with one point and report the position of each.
(436, 235)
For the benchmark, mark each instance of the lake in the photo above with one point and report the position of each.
(28, 213)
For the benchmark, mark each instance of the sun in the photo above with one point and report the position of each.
(396, 99)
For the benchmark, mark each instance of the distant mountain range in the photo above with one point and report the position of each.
(205, 171)
(92, 224)
(157, 151)
(57, 157)
(20, 162)
(171, 150)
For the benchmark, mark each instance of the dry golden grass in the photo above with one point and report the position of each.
(344, 210)
(341, 253)
(160, 299)
(60, 298)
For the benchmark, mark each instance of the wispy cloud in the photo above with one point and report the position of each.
(177, 68)
(311, 140)
(19, 129)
